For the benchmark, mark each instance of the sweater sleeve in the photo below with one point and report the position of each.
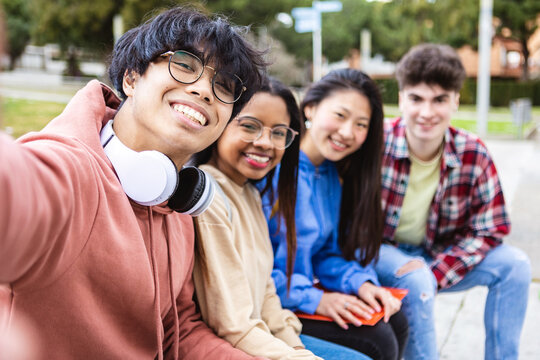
(49, 199)
(196, 340)
(282, 323)
(223, 291)
(337, 274)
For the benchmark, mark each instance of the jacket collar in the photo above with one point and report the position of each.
(399, 149)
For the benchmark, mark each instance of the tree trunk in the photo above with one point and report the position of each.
(525, 68)
(72, 64)
(12, 62)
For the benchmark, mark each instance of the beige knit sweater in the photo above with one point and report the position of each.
(233, 280)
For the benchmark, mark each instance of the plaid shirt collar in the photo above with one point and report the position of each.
(400, 150)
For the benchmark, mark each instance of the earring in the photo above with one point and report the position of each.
(308, 124)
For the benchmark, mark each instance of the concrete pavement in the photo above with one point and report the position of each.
(459, 322)
(37, 85)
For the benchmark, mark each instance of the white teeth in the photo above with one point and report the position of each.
(190, 113)
(259, 159)
(338, 143)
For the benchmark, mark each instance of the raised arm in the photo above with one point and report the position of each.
(44, 185)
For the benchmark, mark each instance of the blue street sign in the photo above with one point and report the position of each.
(305, 25)
(309, 20)
(305, 19)
(303, 12)
(328, 6)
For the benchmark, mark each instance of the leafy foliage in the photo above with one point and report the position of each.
(395, 26)
(520, 17)
(82, 23)
(18, 27)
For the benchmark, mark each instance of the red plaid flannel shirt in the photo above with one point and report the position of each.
(467, 217)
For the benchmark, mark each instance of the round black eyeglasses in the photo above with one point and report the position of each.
(252, 129)
(187, 68)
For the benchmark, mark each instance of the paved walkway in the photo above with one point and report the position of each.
(459, 323)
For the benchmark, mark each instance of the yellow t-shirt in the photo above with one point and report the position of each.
(423, 182)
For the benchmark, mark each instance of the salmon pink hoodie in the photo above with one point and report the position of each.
(97, 276)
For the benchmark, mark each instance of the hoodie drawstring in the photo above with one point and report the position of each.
(176, 332)
(157, 310)
(159, 323)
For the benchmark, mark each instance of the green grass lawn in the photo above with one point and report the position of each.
(22, 116)
(500, 122)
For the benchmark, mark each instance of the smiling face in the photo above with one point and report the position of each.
(241, 160)
(165, 115)
(340, 124)
(427, 110)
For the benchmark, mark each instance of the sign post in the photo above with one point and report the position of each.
(309, 20)
(484, 68)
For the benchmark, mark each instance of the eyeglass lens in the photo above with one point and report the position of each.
(252, 129)
(188, 68)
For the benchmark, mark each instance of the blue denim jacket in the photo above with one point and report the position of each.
(318, 255)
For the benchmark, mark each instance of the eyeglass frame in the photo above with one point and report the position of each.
(170, 54)
(261, 132)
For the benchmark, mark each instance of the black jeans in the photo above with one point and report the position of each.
(384, 341)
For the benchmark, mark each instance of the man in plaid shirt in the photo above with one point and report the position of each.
(445, 210)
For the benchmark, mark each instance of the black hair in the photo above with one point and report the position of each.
(361, 217)
(431, 64)
(185, 28)
(288, 173)
(286, 189)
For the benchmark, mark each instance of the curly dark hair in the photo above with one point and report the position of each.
(186, 28)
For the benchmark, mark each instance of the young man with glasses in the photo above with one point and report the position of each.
(445, 210)
(99, 274)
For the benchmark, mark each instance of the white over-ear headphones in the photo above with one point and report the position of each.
(150, 177)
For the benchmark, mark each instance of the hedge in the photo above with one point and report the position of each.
(502, 91)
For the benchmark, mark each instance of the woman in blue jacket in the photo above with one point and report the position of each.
(339, 220)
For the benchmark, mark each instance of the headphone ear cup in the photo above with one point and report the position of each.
(170, 174)
(195, 192)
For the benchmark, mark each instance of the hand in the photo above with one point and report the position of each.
(375, 296)
(341, 308)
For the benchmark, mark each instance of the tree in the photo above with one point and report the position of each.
(395, 27)
(401, 24)
(75, 24)
(456, 22)
(340, 30)
(18, 28)
(521, 18)
(253, 13)
(135, 12)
